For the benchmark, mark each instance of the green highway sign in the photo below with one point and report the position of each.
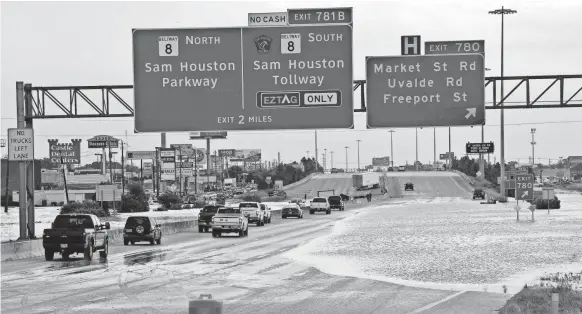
(319, 16)
(425, 90)
(452, 47)
(524, 186)
(257, 78)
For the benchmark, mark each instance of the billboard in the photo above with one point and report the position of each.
(575, 159)
(381, 161)
(103, 141)
(70, 152)
(207, 134)
(147, 168)
(247, 155)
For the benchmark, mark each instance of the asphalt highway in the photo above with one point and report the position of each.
(249, 275)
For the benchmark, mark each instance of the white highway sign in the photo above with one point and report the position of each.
(268, 19)
(425, 90)
(21, 144)
(524, 186)
(260, 78)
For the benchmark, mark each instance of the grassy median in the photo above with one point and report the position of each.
(538, 298)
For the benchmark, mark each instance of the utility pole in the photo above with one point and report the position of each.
(434, 138)
(331, 159)
(346, 157)
(324, 159)
(503, 11)
(416, 160)
(358, 154)
(101, 162)
(533, 143)
(392, 151)
(316, 154)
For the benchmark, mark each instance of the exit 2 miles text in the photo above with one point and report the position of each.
(241, 119)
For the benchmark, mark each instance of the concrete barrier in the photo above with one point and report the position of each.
(294, 184)
(15, 250)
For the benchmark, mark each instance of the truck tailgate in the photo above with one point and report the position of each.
(226, 220)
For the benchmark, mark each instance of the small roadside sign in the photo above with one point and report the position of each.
(268, 19)
(137, 155)
(524, 187)
(480, 148)
(20, 144)
(268, 180)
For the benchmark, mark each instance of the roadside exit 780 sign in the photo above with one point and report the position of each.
(524, 186)
(268, 78)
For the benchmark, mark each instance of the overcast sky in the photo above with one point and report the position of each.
(90, 43)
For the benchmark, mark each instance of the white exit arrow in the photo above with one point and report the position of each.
(472, 112)
(525, 194)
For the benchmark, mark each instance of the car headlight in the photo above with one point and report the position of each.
(258, 213)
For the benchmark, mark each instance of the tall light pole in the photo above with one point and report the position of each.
(331, 153)
(416, 160)
(503, 11)
(358, 154)
(324, 159)
(392, 151)
(346, 157)
(533, 143)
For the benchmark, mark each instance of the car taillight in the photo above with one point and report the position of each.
(240, 219)
(258, 212)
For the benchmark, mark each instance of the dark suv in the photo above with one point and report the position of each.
(409, 187)
(478, 193)
(205, 217)
(141, 229)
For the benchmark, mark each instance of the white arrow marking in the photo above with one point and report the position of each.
(525, 194)
(472, 112)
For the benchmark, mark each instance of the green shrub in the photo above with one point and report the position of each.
(251, 197)
(543, 204)
(275, 198)
(168, 199)
(135, 201)
(85, 207)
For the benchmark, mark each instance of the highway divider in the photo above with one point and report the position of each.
(294, 184)
(15, 250)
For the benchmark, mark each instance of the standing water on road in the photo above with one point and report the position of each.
(451, 243)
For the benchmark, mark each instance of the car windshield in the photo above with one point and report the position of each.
(228, 210)
(70, 222)
(248, 205)
(319, 200)
(334, 198)
(209, 209)
(134, 221)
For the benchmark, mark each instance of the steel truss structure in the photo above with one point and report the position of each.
(40, 97)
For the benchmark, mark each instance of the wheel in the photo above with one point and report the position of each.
(132, 242)
(247, 232)
(200, 229)
(284, 217)
(258, 223)
(103, 253)
(214, 234)
(49, 255)
(310, 212)
(270, 219)
(206, 229)
(263, 222)
(88, 253)
(65, 256)
(125, 242)
(241, 234)
(159, 241)
(152, 242)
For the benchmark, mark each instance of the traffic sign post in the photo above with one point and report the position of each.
(262, 78)
(524, 187)
(20, 145)
(421, 91)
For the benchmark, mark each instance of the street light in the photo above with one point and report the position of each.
(358, 154)
(324, 159)
(533, 143)
(392, 151)
(346, 157)
(503, 11)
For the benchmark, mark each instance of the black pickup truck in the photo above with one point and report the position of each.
(76, 233)
(205, 217)
(335, 201)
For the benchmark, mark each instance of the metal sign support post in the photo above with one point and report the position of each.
(22, 164)
(180, 153)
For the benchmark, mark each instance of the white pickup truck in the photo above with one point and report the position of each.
(320, 204)
(253, 212)
(266, 212)
(229, 220)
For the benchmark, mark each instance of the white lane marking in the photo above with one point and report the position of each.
(429, 306)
